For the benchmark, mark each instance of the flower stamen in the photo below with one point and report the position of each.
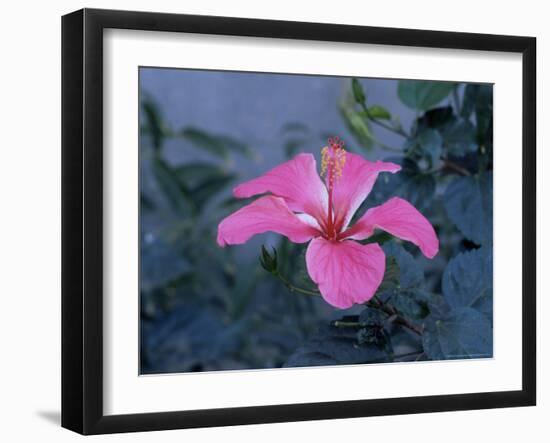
(333, 159)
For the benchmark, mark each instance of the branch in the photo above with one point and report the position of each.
(457, 168)
(398, 319)
(398, 131)
(293, 288)
(395, 317)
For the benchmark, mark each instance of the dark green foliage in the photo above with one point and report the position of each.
(464, 329)
(407, 297)
(478, 100)
(462, 333)
(459, 137)
(410, 273)
(447, 174)
(371, 317)
(358, 93)
(269, 261)
(378, 112)
(170, 185)
(339, 345)
(468, 281)
(469, 205)
(218, 145)
(423, 95)
(392, 275)
(437, 118)
(358, 125)
(353, 109)
(209, 308)
(412, 303)
(430, 143)
(411, 183)
(195, 306)
(188, 339)
(153, 123)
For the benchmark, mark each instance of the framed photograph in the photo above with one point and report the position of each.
(269, 221)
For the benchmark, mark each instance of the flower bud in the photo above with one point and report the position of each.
(268, 261)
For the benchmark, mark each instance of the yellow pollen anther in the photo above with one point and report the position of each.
(324, 160)
(333, 159)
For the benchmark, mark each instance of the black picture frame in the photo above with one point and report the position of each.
(82, 220)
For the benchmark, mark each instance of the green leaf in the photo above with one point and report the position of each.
(356, 121)
(243, 291)
(205, 141)
(391, 275)
(423, 95)
(333, 345)
(458, 133)
(412, 303)
(195, 174)
(371, 317)
(160, 263)
(236, 146)
(170, 186)
(202, 181)
(479, 98)
(411, 274)
(188, 336)
(437, 118)
(468, 281)
(218, 145)
(378, 112)
(203, 193)
(358, 93)
(459, 137)
(410, 183)
(372, 330)
(154, 123)
(469, 204)
(379, 237)
(269, 261)
(430, 142)
(462, 333)
(484, 113)
(402, 281)
(358, 126)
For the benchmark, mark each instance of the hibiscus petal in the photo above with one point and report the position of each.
(358, 178)
(268, 213)
(399, 218)
(297, 181)
(346, 272)
(309, 220)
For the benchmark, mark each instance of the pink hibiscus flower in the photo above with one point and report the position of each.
(303, 208)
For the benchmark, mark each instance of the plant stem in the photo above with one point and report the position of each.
(395, 317)
(457, 168)
(293, 288)
(348, 324)
(406, 323)
(398, 131)
(375, 303)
